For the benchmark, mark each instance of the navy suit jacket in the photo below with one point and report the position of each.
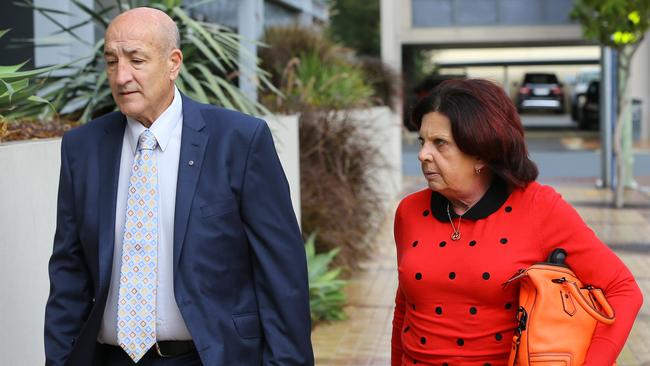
(240, 274)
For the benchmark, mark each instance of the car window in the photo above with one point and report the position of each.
(588, 76)
(540, 79)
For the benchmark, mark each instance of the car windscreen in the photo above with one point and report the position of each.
(540, 79)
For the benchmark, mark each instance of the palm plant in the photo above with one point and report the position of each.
(211, 62)
(326, 297)
(16, 91)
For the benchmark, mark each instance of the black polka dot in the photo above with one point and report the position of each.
(486, 276)
(418, 276)
(508, 306)
(508, 209)
(415, 244)
(460, 342)
(415, 361)
(445, 364)
(472, 310)
(498, 336)
(472, 243)
(442, 244)
(503, 240)
(438, 310)
(487, 364)
(425, 213)
(423, 340)
(413, 306)
(407, 329)
(452, 275)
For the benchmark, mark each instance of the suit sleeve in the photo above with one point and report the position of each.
(279, 262)
(595, 264)
(70, 295)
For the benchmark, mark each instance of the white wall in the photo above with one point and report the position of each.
(29, 174)
(286, 138)
(385, 133)
(28, 187)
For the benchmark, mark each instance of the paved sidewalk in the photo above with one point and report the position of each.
(364, 339)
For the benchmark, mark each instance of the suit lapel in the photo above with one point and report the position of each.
(193, 145)
(110, 153)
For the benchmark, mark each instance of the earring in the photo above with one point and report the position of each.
(477, 170)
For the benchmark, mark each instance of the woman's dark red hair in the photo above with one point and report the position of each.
(485, 124)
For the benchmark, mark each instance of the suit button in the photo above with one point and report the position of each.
(93, 299)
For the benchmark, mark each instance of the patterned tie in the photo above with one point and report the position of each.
(136, 309)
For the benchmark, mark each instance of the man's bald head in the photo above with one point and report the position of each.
(143, 59)
(161, 26)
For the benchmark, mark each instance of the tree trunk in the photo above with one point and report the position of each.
(624, 59)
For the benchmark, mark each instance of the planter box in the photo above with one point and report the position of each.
(28, 189)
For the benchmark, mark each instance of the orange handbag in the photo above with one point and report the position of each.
(557, 315)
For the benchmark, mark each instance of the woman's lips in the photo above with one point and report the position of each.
(430, 175)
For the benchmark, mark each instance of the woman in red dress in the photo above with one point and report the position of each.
(482, 218)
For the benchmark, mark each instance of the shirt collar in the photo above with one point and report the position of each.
(161, 128)
(491, 201)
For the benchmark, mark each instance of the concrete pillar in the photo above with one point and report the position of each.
(639, 83)
(391, 48)
(251, 25)
(608, 91)
(71, 47)
(305, 18)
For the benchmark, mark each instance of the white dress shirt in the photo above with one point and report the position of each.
(167, 129)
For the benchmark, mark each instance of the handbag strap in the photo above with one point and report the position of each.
(607, 318)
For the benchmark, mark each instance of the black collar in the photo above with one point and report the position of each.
(495, 196)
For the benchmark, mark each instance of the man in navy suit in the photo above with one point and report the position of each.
(225, 277)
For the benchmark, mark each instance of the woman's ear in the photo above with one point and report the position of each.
(479, 166)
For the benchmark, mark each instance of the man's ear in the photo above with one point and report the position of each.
(175, 61)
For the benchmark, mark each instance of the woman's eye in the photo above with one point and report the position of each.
(439, 142)
(421, 141)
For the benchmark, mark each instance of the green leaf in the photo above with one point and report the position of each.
(195, 85)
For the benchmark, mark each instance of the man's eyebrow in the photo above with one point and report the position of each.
(128, 51)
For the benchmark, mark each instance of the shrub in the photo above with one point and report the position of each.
(340, 198)
(17, 93)
(284, 44)
(384, 81)
(310, 82)
(326, 297)
(320, 80)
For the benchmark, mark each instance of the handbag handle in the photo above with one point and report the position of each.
(607, 318)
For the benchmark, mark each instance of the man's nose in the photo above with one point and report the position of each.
(123, 73)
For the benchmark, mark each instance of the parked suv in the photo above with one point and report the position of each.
(577, 95)
(590, 111)
(540, 91)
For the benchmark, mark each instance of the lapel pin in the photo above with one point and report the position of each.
(191, 162)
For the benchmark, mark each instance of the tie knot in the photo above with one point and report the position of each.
(147, 141)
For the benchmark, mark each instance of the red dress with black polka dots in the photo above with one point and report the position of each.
(451, 308)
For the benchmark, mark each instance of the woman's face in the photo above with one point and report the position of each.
(447, 170)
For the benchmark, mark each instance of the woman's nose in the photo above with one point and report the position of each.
(424, 154)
